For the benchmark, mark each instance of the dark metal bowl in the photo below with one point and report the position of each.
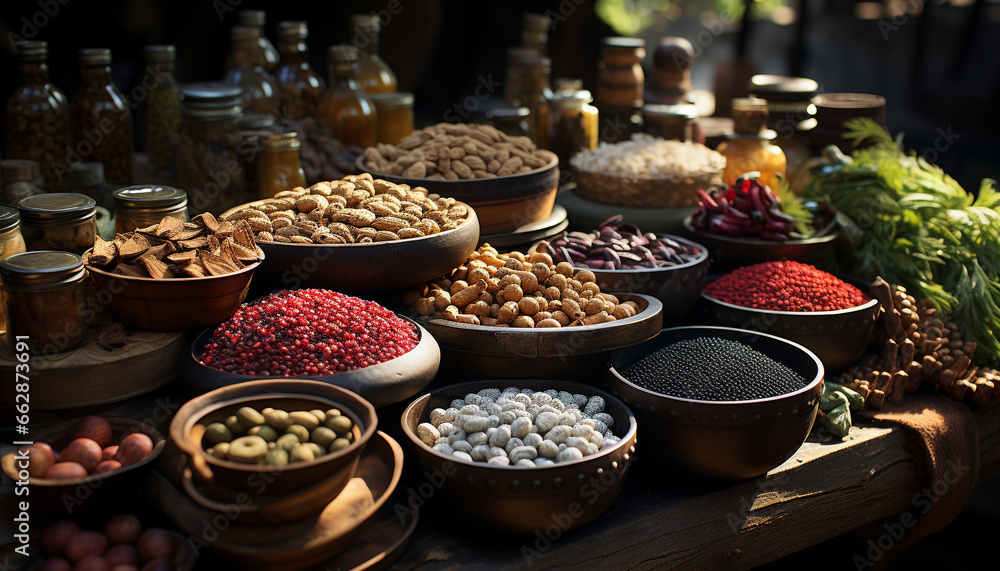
(837, 337)
(525, 500)
(723, 440)
(382, 384)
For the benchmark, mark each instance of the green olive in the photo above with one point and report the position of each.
(234, 426)
(247, 449)
(218, 432)
(339, 444)
(304, 418)
(320, 415)
(220, 450)
(276, 457)
(264, 431)
(340, 424)
(300, 431)
(277, 419)
(323, 436)
(287, 441)
(301, 453)
(249, 417)
(333, 412)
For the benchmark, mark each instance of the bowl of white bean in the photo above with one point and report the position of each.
(519, 454)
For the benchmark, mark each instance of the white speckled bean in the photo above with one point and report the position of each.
(475, 424)
(470, 410)
(501, 436)
(520, 427)
(445, 428)
(512, 444)
(456, 435)
(546, 420)
(477, 438)
(499, 461)
(494, 451)
(568, 455)
(522, 398)
(443, 449)
(588, 422)
(539, 462)
(506, 417)
(533, 439)
(493, 409)
(570, 418)
(514, 405)
(576, 442)
(548, 408)
(533, 410)
(523, 414)
(442, 440)
(462, 446)
(559, 433)
(548, 449)
(440, 415)
(540, 398)
(583, 431)
(461, 455)
(591, 449)
(473, 398)
(522, 452)
(428, 433)
(457, 404)
(597, 438)
(557, 405)
(480, 453)
(525, 463)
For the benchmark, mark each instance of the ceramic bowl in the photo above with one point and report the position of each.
(838, 337)
(726, 440)
(188, 425)
(524, 500)
(381, 384)
(504, 203)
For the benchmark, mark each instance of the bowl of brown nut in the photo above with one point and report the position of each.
(359, 234)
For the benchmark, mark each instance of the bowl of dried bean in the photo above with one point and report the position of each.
(717, 401)
(175, 275)
(359, 234)
(315, 334)
(624, 259)
(508, 180)
(516, 455)
(832, 316)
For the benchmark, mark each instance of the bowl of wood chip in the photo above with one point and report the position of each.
(175, 275)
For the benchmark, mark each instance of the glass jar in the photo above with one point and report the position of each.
(43, 295)
(209, 168)
(620, 87)
(513, 121)
(162, 111)
(16, 175)
(58, 221)
(514, 73)
(535, 95)
(248, 71)
(36, 117)
(279, 167)
(395, 116)
(749, 148)
(145, 205)
(574, 124)
(257, 19)
(535, 32)
(11, 240)
(346, 108)
(374, 75)
(299, 86)
(102, 122)
(790, 114)
(670, 121)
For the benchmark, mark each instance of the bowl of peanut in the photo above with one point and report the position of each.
(359, 234)
(508, 180)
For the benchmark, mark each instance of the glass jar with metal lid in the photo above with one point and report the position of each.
(64, 221)
(513, 121)
(11, 241)
(43, 298)
(279, 167)
(574, 123)
(394, 112)
(208, 160)
(675, 122)
(146, 204)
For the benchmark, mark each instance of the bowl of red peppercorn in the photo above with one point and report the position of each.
(830, 315)
(319, 335)
(717, 401)
(193, 418)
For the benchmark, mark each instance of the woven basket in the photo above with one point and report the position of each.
(678, 192)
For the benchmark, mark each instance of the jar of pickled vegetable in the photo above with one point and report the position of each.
(36, 117)
(749, 148)
(257, 19)
(162, 112)
(58, 221)
(346, 108)
(395, 116)
(43, 294)
(373, 73)
(209, 166)
(574, 124)
(145, 205)
(102, 122)
(279, 167)
(248, 71)
(299, 86)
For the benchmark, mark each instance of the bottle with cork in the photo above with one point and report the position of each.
(248, 72)
(300, 87)
(102, 122)
(257, 19)
(346, 107)
(373, 73)
(162, 112)
(749, 148)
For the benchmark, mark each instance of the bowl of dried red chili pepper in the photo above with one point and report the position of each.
(832, 316)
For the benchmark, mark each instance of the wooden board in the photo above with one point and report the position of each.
(91, 375)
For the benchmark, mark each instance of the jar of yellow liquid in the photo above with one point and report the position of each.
(749, 148)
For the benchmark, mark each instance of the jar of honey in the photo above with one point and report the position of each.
(279, 167)
(749, 148)
(43, 295)
(395, 116)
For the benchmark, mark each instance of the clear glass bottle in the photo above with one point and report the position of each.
(16, 175)
(64, 221)
(536, 95)
(346, 107)
(749, 148)
(146, 204)
(299, 86)
(257, 19)
(36, 117)
(248, 71)
(43, 294)
(279, 167)
(574, 124)
(102, 122)
(535, 32)
(374, 75)
(162, 112)
(209, 168)
(395, 116)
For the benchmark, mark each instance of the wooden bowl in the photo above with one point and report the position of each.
(677, 287)
(377, 266)
(837, 337)
(73, 496)
(174, 304)
(525, 500)
(558, 352)
(726, 440)
(679, 192)
(382, 384)
(503, 203)
(187, 428)
(728, 253)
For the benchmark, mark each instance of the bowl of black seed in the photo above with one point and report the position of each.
(720, 402)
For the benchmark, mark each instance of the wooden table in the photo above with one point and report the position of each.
(665, 519)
